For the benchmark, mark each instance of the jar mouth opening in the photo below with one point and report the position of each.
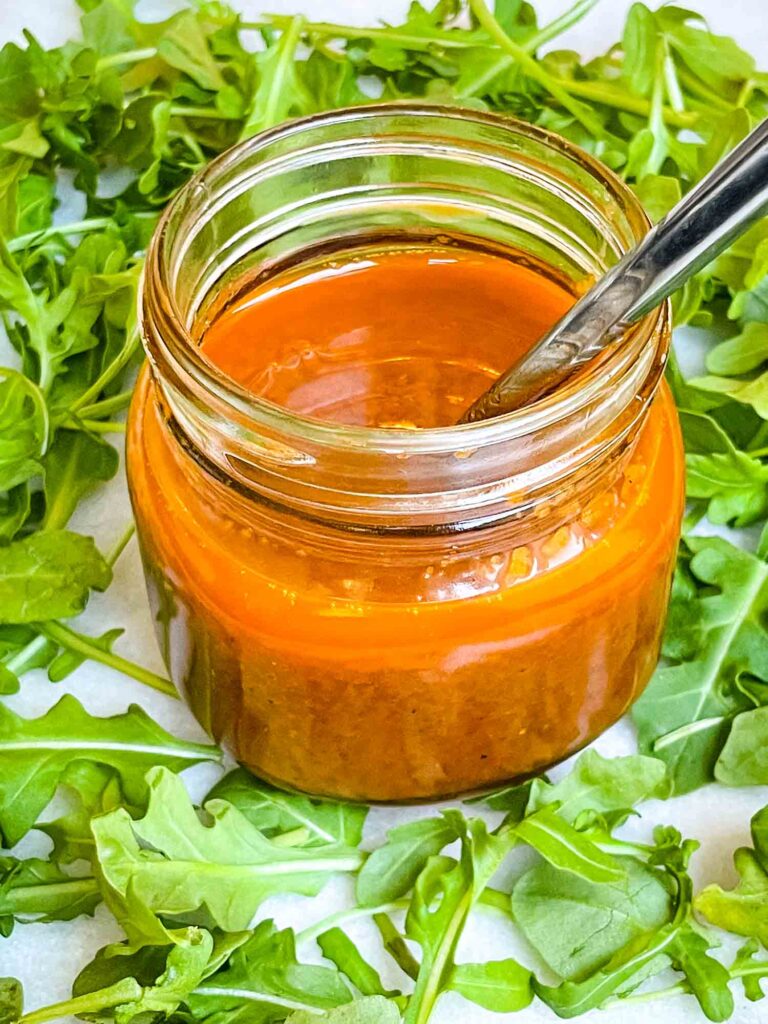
(182, 352)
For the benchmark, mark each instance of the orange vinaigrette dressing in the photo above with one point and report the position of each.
(383, 675)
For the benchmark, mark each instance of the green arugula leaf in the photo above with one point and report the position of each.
(743, 760)
(280, 92)
(104, 991)
(38, 890)
(595, 783)
(392, 869)
(263, 981)
(94, 789)
(170, 863)
(274, 810)
(639, 46)
(706, 977)
(502, 986)
(576, 925)
(717, 60)
(746, 352)
(685, 714)
(23, 429)
(752, 392)
(444, 894)
(49, 575)
(74, 464)
(649, 951)
(750, 972)
(37, 754)
(184, 46)
(735, 483)
(337, 947)
(743, 910)
(566, 849)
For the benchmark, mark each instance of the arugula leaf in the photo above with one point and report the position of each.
(49, 575)
(565, 848)
(595, 783)
(184, 46)
(444, 894)
(74, 464)
(744, 909)
(750, 972)
(170, 863)
(37, 754)
(746, 352)
(337, 947)
(743, 760)
(706, 977)
(95, 789)
(274, 810)
(735, 483)
(163, 980)
(392, 869)
(263, 980)
(576, 925)
(280, 92)
(685, 714)
(502, 986)
(38, 890)
(23, 429)
(752, 392)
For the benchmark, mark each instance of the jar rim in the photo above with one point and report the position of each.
(186, 357)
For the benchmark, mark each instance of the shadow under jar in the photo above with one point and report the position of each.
(383, 613)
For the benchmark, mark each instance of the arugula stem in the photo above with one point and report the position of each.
(396, 946)
(611, 96)
(344, 916)
(745, 93)
(449, 38)
(690, 729)
(107, 405)
(72, 641)
(699, 88)
(681, 988)
(95, 426)
(495, 899)
(429, 986)
(756, 970)
(125, 991)
(121, 545)
(19, 660)
(533, 69)
(492, 899)
(77, 227)
(126, 57)
(554, 28)
(209, 113)
(559, 25)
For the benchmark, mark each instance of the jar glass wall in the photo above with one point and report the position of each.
(389, 614)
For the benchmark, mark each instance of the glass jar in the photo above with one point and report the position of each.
(386, 614)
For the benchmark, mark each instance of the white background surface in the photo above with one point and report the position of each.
(47, 957)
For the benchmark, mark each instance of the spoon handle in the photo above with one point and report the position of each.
(722, 206)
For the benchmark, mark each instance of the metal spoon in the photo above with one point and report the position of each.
(722, 206)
